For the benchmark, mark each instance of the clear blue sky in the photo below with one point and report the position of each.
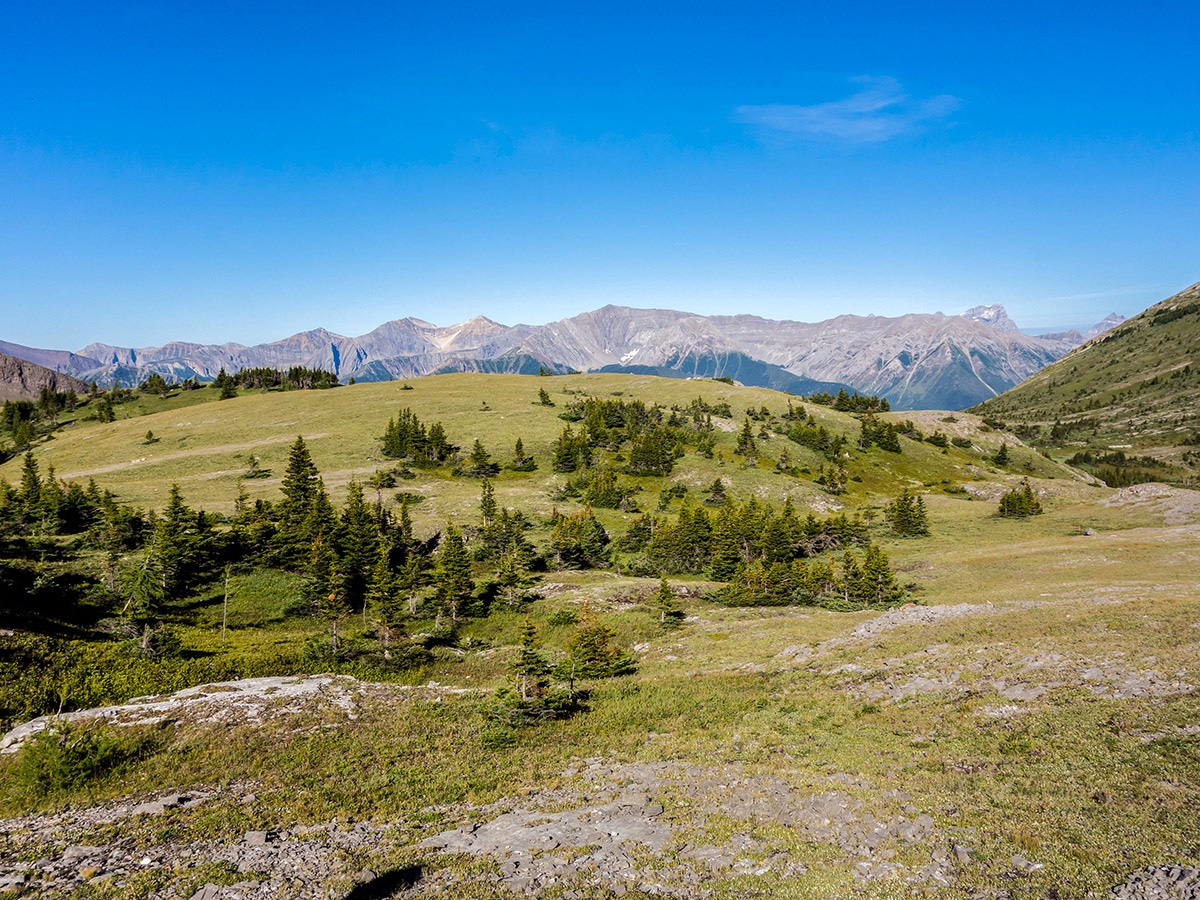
(217, 172)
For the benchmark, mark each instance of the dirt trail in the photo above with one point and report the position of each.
(181, 454)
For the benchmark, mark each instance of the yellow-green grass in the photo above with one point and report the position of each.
(206, 448)
(1093, 786)
(1070, 783)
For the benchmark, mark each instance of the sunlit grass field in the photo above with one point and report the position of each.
(1089, 782)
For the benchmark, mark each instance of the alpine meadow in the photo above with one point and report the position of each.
(581, 635)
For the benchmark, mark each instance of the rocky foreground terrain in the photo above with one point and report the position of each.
(606, 828)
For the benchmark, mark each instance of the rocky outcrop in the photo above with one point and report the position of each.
(23, 380)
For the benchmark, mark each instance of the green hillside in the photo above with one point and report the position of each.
(812, 644)
(206, 447)
(1125, 406)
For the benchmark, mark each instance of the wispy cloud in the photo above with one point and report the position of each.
(879, 112)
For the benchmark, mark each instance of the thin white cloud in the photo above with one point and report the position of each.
(879, 112)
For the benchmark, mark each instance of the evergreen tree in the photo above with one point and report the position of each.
(410, 579)
(141, 585)
(530, 667)
(571, 451)
(324, 591)
(876, 584)
(907, 515)
(385, 601)
(776, 541)
(30, 492)
(578, 541)
(669, 614)
(356, 540)
(1001, 456)
(481, 462)
(604, 490)
(746, 445)
(834, 478)
(321, 521)
(512, 574)
(1020, 503)
(521, 462)
(716, 493)
(487, 505)
(177, 543)
(454, 586)
(301, 487)
(653, 452)
(591, 652)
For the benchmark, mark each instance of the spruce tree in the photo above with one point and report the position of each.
(452, 574)
(385, 601)
(571, 451)
(324, 591)
(481, 462)
(177, 544)
(301, 487)
(142, 587)
(487, 505)
(591, 652)
(529, 667)
(521, 462)
(578, 541)
(876, 583)
(1020, 503)
(907, 515)
(356, 538)
(669, 614)
(411, 577)
(321, 521)
(512, 574)
(716, 493)
(30, 492)
(746, 445)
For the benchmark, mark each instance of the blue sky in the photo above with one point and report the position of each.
(211, 172)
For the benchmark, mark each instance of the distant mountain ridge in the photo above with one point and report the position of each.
(916, 361)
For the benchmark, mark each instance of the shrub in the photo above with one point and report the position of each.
(562, 617)
(67, 758)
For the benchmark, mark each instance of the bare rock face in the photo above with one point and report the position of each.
(995, 316)
(23, 380)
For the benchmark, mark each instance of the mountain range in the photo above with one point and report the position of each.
(916, 361)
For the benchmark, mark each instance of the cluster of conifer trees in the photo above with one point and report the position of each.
(366, 560)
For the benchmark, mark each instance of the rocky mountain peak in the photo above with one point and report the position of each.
(1112, 320)
(995, 316)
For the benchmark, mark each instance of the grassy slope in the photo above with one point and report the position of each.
(1068, 783)
(1128, 389)
(205, 448)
